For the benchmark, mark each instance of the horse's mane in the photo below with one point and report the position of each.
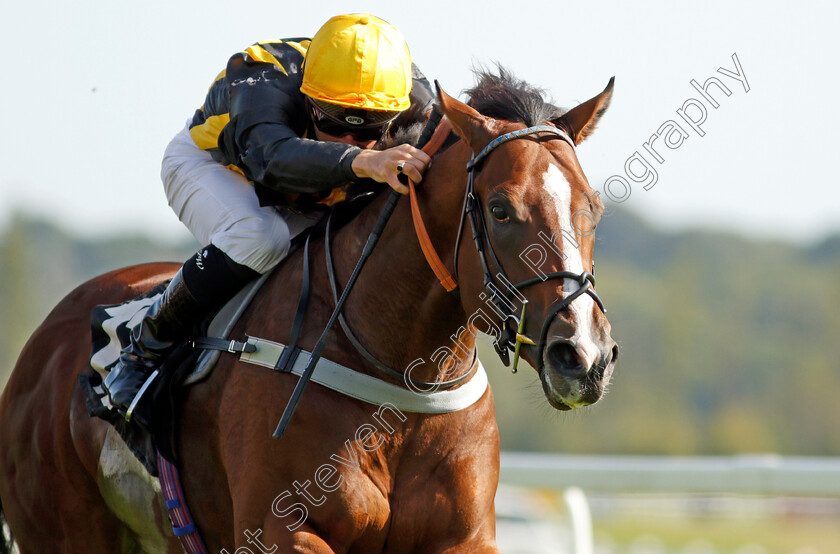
(500, 96)
(503, 96)
(403, 135)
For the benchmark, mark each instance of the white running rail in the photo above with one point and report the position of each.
(759, 474)
(774, 475)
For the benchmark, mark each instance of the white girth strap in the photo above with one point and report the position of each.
(369, 389)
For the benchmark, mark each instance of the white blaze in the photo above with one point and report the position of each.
(560, 191)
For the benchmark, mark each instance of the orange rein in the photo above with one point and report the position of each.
(443, 275)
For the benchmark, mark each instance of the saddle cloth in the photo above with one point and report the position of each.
(111, 327)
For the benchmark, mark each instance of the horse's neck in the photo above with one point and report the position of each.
(398, 308)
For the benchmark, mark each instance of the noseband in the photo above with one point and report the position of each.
(511, 337)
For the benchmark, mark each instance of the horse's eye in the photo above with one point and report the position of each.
(499, 213)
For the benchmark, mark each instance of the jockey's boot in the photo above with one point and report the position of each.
(207, 280)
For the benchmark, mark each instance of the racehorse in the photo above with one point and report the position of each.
(67, 485)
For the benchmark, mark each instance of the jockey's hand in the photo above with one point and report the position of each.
(383, 165)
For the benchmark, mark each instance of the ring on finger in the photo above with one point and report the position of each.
(400, 167)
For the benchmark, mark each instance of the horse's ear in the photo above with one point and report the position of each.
(580, 121)
(466, 121)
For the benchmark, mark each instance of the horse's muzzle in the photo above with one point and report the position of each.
(574, 376)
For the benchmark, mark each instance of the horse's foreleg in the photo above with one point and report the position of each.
(478, 545)
(274, 537)
(481, 541)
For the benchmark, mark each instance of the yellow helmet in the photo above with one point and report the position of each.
(358, 61)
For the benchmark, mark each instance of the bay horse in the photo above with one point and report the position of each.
(429, 486)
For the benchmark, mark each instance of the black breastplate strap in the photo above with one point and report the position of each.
(292, 351)
(366, 354)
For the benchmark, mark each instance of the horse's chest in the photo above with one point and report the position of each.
(396, 510)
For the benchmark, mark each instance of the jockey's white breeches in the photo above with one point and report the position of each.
(220, 207)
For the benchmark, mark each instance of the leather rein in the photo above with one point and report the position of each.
(441, 128)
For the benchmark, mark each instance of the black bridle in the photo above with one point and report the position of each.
(511, 336)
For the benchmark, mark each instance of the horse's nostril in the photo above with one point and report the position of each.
(563, 358)
(613, 354)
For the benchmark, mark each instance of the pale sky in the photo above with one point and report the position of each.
(93, 91)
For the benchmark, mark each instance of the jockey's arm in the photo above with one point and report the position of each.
(264, 136)
(268, 123)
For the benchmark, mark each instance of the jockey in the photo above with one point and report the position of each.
(290, 123)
